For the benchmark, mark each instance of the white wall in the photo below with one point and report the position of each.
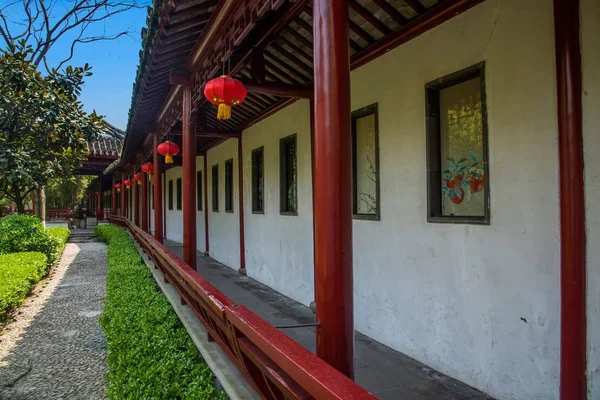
(279, 248)
(200, 231)
(224, 227)
(479, 303)
(174, 226)
(590, 46)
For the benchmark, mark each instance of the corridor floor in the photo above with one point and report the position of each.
(388, 374)
(61, 354)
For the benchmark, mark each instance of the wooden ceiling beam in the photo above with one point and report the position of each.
(370, 18)
(210, 134)
(303, 65)
(298, 37)
(354, 27)
(279, 89)
(433, 17)
(416, 5)
(181, 11)
(391, 11)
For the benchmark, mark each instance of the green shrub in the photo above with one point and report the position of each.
(18, 273)
(150, 355)
(25, 233)
(59, 234)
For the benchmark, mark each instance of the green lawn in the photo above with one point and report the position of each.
(150, 354)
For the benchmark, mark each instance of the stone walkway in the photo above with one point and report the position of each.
(62, 353)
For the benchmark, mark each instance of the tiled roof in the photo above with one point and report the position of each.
(109, 143)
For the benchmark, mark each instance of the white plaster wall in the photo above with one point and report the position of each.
(174, 226)
(224, 227)
(590, 46)
(479, 303)
(279, 248)
(200, 231)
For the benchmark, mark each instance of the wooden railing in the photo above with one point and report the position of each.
(57, 215)
(274, 364)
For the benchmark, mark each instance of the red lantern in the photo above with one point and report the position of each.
(225, 92)
(149, 169)
(168, 149)
(87, 196)
(138, 178)
(128, 183)
(118, 187)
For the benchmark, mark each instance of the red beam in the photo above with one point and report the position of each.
(333, 196)
(189, 178)
(158, 213)
(280, 89)
(435, 16)
(573, 384)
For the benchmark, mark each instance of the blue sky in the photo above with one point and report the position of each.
(114, 64)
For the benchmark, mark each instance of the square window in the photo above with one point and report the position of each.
(365, 163)
(457, 158)
(229, 185)
(199, 190)
(288, 195)
(170, 194)
(179, 193)
(215, 187)
(258, 165)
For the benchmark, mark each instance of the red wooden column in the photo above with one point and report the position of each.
(136, 200)
(189, 178)
(158, 213)
(123, 196)
(241, 207)
(100, 213)
(113, 206)
(207, 242)
(573, 384)
(333, 197)
(144, 202)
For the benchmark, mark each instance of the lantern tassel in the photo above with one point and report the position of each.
(150, 177)
(139, 182)
(118, 190)
(168, 159)
(224, 111)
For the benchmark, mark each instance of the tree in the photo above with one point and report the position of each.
(41, 24)
(62, 193)
(43, 128)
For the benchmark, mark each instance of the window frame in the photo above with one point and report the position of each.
(434, 162)
(179, 193)
(255, 186)
(372, 109)
(199, 190)
(170, 194)
(215, 187)
(229, 186)
(282, 174)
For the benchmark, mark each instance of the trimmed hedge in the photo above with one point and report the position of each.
(24, 233)
(150, 355)
(18, 273)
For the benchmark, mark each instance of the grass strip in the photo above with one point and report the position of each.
(150, 354)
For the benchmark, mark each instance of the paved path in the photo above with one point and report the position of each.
(62, 354)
